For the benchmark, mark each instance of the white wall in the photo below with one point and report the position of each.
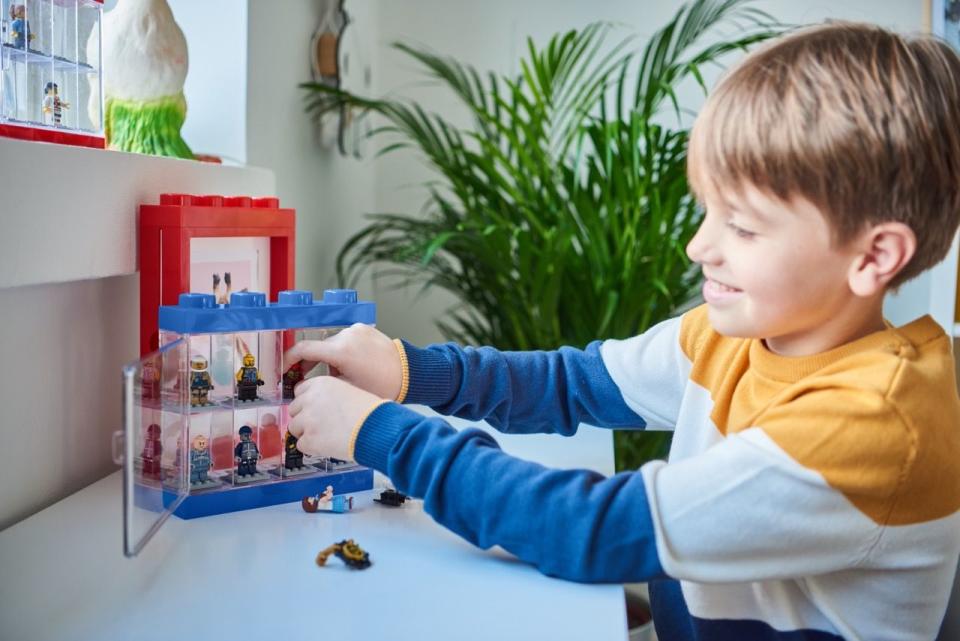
(216, 86)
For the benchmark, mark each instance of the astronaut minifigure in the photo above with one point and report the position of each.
(200, 383)
(200, 461)
(152, 449)
(19, 27)
(52, 105)
(246, 453)
(248, 379)
(294, 458)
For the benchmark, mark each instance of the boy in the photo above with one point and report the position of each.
(811, 489)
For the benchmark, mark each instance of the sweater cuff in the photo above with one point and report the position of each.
(429, 376)
(379, 432)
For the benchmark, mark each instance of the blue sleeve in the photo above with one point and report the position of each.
(518, 392)
(572, 524)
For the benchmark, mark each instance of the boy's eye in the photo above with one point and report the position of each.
(740, 231)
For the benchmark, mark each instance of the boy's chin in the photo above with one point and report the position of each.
(727, 323)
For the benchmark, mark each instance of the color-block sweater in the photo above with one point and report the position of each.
(804, 498)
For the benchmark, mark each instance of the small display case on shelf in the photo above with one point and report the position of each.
(206, 415)
(50, 79)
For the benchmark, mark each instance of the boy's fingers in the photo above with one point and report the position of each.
(325, 351)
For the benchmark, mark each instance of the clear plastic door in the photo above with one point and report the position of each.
(156, 404)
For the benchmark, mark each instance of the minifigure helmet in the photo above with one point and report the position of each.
(198, 363)
(153, 431)
(246, 430)
(248, 360)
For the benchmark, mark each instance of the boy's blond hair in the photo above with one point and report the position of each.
(862, 122)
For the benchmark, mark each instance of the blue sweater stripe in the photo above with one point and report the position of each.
(573, 524)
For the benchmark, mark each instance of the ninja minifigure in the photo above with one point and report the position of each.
(199, 460)
(290, 379)
(294, 458)
(246, 453)
(19, 27)
(200, 383)
(52, 105)
(152, 449)
(248, 379)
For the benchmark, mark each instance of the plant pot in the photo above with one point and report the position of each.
(639, 617)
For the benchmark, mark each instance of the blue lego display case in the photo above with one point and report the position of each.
(206, 415)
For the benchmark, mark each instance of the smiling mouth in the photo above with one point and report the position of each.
(722, 286)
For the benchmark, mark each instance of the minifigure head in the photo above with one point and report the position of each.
(249, 360)
(290, 439)
(198, 363)
(245, 433)
(199, 442)
(17, 11)
(153, 431)
(51, 89)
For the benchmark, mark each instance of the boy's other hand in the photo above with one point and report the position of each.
(324, 414)
(360, 354)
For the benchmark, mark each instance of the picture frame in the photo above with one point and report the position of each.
(186, 239)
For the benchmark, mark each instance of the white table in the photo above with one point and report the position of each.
(251, 575)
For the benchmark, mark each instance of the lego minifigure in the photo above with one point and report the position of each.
(290, 379)
(248, 379)
(150, 381)
(53, 106)
(199, 460)
(246, 453)
(348, 552)
(200, 383)
(294, 457)
(327, 502)
(152, 449)
(391, 498)
(19, 27)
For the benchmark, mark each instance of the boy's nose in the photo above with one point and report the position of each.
(700, 249)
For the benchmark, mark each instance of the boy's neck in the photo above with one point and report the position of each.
(861, 318)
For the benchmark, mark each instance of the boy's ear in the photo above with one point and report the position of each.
(884, 250)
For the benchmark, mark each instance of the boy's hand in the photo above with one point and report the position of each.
(360, 354)
(324, 414)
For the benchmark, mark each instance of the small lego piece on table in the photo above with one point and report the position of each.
(248, 379)
(348, 552)
(200, 383)
(392, 498)
(327, 502)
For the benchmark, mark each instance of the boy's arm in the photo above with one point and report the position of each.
(802, 495)
(573, 524)
(632, 383)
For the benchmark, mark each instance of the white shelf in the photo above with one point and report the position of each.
(70, 213)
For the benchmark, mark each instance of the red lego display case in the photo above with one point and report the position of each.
(185, 240)
(51, 86)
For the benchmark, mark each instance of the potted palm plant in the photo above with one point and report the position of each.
(562, 213)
